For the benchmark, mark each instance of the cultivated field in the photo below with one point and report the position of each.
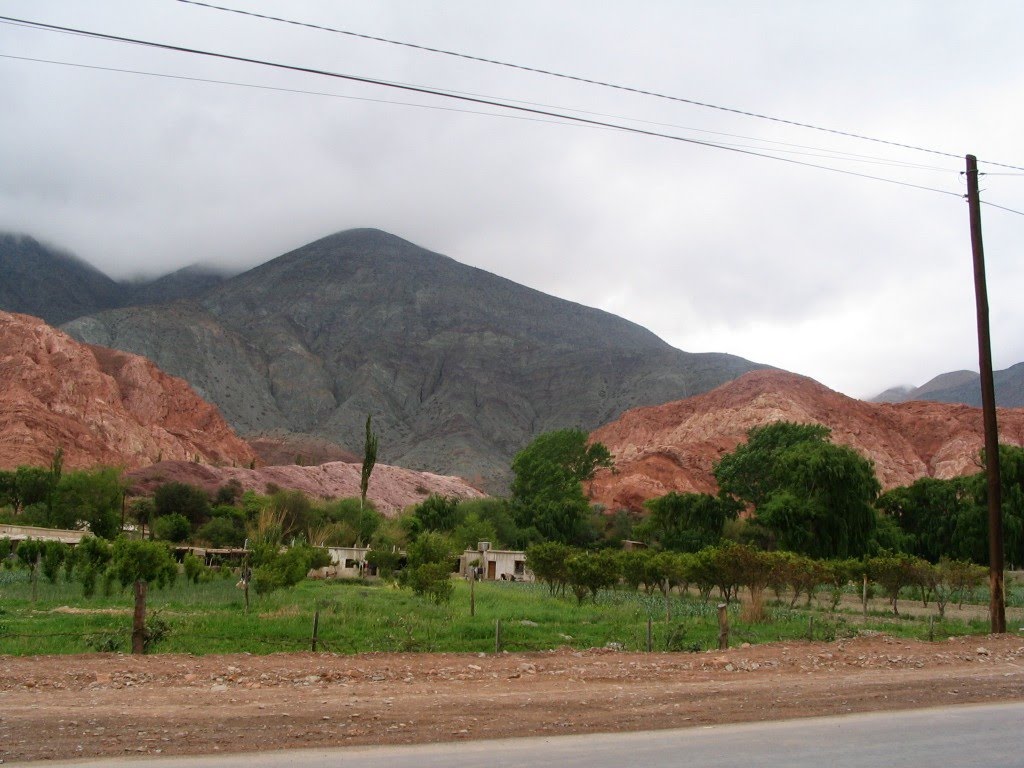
(225, 680)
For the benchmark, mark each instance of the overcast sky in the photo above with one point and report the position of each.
(858, 283)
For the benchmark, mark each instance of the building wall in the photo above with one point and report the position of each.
(497, 564)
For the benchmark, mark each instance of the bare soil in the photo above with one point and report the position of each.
(108, 705)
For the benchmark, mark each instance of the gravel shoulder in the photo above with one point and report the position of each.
(96, 705)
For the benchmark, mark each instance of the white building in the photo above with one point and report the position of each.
(495, 564)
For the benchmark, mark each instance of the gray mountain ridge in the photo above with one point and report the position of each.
(460, 368)
(963, 387)
(50, 283)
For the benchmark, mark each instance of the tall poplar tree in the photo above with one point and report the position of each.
(369, 459)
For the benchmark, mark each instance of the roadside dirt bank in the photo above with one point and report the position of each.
(95, 705)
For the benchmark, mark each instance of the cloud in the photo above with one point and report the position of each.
(858, 283)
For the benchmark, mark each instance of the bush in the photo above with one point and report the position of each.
(431, 580)
(53, 557)
(221, 532)
(175, 528)
(90, 560)
(193, 568)
(286, 569)
(182, 499)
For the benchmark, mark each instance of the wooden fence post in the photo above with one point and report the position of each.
(35, 576)
(864, 597)
(316, 629)
(497, 635)
(650, 634)
(139, 618)
(723, 627)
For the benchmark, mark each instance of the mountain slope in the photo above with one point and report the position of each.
(963, 387)
(674, 446)
(100, 405)
(57, 286)
(44, 282)
(188, 282)
(460, 368)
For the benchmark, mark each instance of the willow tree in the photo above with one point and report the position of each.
(815, 496)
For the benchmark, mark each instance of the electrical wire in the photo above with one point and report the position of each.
(474, 100)
(281, 89)
(590, 81)
(833, 154)
(1002, 207)
(820, 153)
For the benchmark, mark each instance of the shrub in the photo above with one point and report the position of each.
(193, 568)
(221, 532)
(175, 528)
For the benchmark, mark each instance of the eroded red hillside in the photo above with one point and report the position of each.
(673, 447)
(100, 405)
(391, 489)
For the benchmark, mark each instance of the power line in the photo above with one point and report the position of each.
(300, 91)
(470, 99)
(817, 152)
(1002, 207)
(589, 81)
(833, 154)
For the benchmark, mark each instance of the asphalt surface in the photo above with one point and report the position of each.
(978, 735)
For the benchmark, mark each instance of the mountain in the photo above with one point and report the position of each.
(673, 447)
(963, 387)
(100, 405)
(188, 282)
(45, 282)
(391, 489)
(49, 283)
(459, 368)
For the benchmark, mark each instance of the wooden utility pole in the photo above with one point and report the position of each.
(997, 596)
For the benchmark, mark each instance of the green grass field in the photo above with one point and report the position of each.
(363, 617)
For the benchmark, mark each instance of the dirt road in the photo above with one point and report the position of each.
(108, 705)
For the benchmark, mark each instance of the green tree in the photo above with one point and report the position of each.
(286, 569)
(497, 512)
(472, 530)
(815, 496)
(358, 522)
(92, 498)
(91, 558)
(547, 491)
(54, 553)
(687, 522)
(182, 499)
(934, 516)
(220, 532)
(369, 459)
(137, 560)
(174, 528)
(547, 561)
(894, 572)
(32, 485)
(429, 570)
(590, 572)
(437, 513)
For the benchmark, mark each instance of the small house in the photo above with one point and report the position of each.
(495, 564)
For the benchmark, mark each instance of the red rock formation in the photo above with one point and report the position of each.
(288, 448)
(101, 406)
(391, 488)
(673, 447)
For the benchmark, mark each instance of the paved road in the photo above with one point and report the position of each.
(984, 735)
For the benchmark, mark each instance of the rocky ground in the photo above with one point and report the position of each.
(109, 705)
